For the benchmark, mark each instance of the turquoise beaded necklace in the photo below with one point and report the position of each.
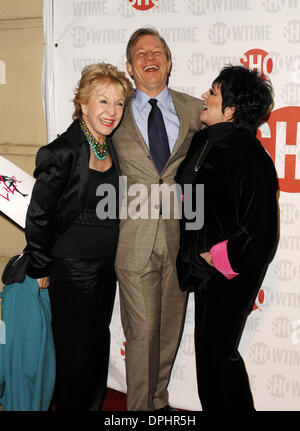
(100, 150)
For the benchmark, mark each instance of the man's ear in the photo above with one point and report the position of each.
(129, 69)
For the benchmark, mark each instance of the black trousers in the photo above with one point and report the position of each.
(221, 310)
(82, 293)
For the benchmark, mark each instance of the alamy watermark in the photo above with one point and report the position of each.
(162, 200)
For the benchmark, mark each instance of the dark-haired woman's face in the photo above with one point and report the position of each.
(212, 110)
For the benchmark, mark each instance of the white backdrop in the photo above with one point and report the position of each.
(203, 36)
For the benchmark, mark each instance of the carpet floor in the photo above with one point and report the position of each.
(114, 401)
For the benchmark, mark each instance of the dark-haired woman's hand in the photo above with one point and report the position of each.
(206, 256)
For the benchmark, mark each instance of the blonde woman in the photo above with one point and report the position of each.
(71, 249)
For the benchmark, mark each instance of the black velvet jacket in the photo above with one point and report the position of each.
(58, 195)
(240, 205)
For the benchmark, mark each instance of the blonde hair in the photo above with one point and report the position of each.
(99, 73)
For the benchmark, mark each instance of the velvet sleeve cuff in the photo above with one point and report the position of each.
(219, 257)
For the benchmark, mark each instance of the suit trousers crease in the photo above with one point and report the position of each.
(152, 313)
(221, 311)
(82, 293)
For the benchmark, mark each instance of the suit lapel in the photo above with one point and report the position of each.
(184, 124)
(130, 125)
(184, 121)
(81, 172)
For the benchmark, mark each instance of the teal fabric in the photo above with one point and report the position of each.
(27, 358)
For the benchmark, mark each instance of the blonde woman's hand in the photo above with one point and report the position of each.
(43, 282)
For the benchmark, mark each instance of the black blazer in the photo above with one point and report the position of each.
(240, 205)
(58, 195)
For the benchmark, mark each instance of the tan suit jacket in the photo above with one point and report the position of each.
(137, 235)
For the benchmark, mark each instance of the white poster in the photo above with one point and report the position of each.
(15, 191)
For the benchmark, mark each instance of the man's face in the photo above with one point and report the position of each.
(149, 66)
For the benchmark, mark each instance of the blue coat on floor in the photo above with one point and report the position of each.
(27, 358)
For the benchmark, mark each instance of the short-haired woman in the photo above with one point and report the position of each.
(224, 261)
(71, 248)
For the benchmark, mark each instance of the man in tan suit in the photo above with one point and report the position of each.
(152, 305)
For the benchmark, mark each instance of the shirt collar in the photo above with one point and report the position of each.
(141, 99)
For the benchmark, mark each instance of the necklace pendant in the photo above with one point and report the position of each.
(100, 150)
(197, 165)
(98, 156)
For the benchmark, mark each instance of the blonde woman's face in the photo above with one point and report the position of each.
(103, 111)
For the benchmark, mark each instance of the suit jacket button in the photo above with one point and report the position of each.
(161, 181)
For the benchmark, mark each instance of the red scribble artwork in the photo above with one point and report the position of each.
(8, 186)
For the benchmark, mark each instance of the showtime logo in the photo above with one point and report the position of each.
(259, 300)
(280, 135)
(281, 138)
(258, 59)
(143, 4)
